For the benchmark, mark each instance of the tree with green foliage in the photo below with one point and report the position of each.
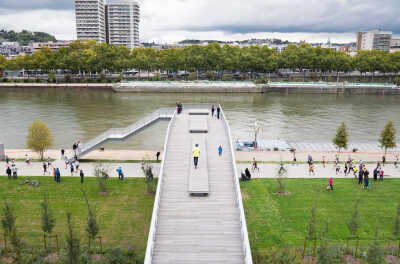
(341, 138)
(388, 137)
(72, 243)
(375, 253)
(39, 138)
(8, 219)
(48, 220)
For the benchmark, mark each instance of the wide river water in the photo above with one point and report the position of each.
(74, 114)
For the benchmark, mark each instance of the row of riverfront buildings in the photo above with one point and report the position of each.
(114, 22)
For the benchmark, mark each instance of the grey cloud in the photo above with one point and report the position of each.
(23, 5)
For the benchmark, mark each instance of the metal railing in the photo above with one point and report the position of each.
(118, 134)
(244, 233)
(156, 209)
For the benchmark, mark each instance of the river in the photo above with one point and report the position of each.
(80, 114)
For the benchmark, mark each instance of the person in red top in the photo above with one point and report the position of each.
(331, 183)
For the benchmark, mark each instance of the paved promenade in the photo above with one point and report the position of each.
(301, 171)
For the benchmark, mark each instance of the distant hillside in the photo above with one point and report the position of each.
(24, 37)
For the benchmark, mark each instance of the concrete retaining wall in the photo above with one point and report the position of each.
(58, 85)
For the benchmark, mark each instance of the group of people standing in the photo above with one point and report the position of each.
(12, 169)
(218, 109)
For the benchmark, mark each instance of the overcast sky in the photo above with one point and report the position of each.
(174, 20)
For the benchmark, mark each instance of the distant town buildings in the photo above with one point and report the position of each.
(90, 20)
(54, 46)
(122, 23)
(374, 40)
(114, 22)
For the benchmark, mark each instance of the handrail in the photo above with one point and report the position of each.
(154, 219)
(245, 236)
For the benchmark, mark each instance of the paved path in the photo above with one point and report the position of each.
(131, 170)
(198, 229)
(301, 171)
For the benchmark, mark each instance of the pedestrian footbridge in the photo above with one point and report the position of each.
(198, 214)
(187, 228)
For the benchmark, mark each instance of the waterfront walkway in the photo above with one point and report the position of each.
(187, 229)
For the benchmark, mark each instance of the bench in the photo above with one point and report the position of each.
(199, 112)
(198, 124)
(198, 178)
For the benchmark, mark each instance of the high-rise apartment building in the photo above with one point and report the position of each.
(374, 40)
(90, 20)
(122, 20)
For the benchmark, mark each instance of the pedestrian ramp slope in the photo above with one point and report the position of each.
(121, 134)
(188, 229)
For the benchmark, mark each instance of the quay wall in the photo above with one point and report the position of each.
(222, 87)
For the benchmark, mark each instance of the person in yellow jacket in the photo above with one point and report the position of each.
(196, 155)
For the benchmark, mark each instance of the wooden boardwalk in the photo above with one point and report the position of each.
(197, 229)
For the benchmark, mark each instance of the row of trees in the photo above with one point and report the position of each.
(387, 138)
(91, 57)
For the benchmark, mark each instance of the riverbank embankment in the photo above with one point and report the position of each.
(250, 87)
(225, 87)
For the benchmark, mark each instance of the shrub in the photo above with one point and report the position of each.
(330, 254)
(210, 75)
(68, 78)
(157, 77)
(375, 253)
(396, 80)
(192, 76)
(102, 78)
(277, 256)
(101, 172)
(51, 77)
(227, 77)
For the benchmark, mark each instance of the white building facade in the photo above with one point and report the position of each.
(123, 18)
(90, 20)
(374, 40)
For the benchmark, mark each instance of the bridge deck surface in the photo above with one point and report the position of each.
(198, 229)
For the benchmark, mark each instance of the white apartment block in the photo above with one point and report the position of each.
(123, 17)
(374, 40)
(90, 20)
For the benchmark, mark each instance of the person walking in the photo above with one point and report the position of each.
(218, 111)
(14, 171)
(77, 165)
(8, 171)
(311, 169)
(7, 159)
(55, 174)
(66, 160)
(323, 161)
(361, 174)
(81, 175)
(44, 168)
(309, 159)
(62, 153)
(58, 175)
(27, 159)
(196, 155)
(366, 179)
(74, 147)
(220, 150)
(376, 174)
(72, 168)
(120, 173)
(212, 110)
(396, 161)
(331, 183)
(381, 173)
(255, 167)
(158, 155)
(337, 168)
(383, 160)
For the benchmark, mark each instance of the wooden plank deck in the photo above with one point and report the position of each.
(191, 229)
(198, 178)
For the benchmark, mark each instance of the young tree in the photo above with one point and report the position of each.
(388, 136)
(281, 179)
(341, 138)
(92, 228)
(353, 223)
(312, 225)
(375, 253)
(73, 243)
(48, 221)
(8, 219)
(396, 227)
(39, 137)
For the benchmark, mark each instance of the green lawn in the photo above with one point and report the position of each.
(275, 220)
(124, 214)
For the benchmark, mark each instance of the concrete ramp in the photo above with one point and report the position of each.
(198, 178)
